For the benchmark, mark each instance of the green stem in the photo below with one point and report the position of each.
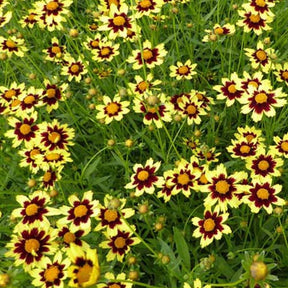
(233, 284)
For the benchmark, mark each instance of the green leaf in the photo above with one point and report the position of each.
(224, 267)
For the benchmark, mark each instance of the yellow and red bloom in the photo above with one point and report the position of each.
(210, 227)
(85, 270)
(55, 52)
(149, 56)
(119, 244)
(143, 86)
(281, 145)
(12, 93)
(207, 154)
(251, 134)
(5, 18)
(262, 194)
(80, 212)
(255, 80)
(112, 110)
(219, 31)
(144, 178)
(29, 156)
(74, 69)
(183, 71)
(106, 51)
(241, 148)
(93, 43)
(29, 20)
(13, 45)
(260, 6)
(49, 178)
(166, 191)
(115, 281)
(282, 72)
(147, 7)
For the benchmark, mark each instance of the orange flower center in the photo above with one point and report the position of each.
(145, 3)
(52, 156)
(260, 3)
(31, 209)
(143, 175)
(52, 5)
(51, 273)
(110, 215)
(284, 146)
(25, 129)
(200, 96)
(261, 98)
(209, 225)
(261, 55)
(263, 165)
(208, 155)
(255, 18)
(249, 137)
(75, 68)
(253, 83)
(183, 179)
(15, 103)
(232, 89)
(285, 75)
(31, 17)
(54, 137)
(95, 43)
(56, 49)
(152, 110)
(219, 31)
(29, 99)
(147, 54)
(84, 273)
(244, 149)
(183, 69)
(69, 237)
(80, 211)
(112, 108)
(32, 245)
(47, 176)
(119, 21)
(120, 242)
(191, 109)
(10, 44)
(222, 186)
(105, 51)
(114, 285)
(263, 194)
(143, 85)
(34, 152)
(10, 93)
(113, 2)
(51, 92)
(203, 179)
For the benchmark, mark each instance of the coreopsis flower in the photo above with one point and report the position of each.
(156, 109)
(106, 51)
(52, 94)
(50, 177)
(34, 208)
(13, 92)
(24, 130)
(29, 20)
(149, 56)
(55, 135)
(111, 214)
(183, 71)
(251, 134)
(105, 5)
(219, 31)
(53, 273)
(112, 109)
(222, 188)
(144, 178)
(262, 194)
(147, 7)
(264, 165)
(207, 154)
(5, 18)
(74, 69)
(262, 100)
(210, 227)
(205, 101)
(13, 45)
(85, 270)
(260, 58)
(93, 43)
(28, 155)
(142, 85)
(254, 21)
(115, 281)
(166, 191)
(55, 52)
(31, 245)
(255, 80)
(260, 6)
(281, 72)
(242, 148)
(80, 212)
(119, 243)
(281, 147)
(230, 90)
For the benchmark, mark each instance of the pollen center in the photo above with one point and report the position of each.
(84, 273)
(253, 83)
(183, 179)
(75, 68)
(51, 92)
(209, 225)
(112, 108)
(145, 3)
(203, 179)
(80, 211)
(120, 242)
(52, 5)
(263, 194)
(142, 86)
(183, 70)
(33, 153)
(147, 54)
(284, 146)
(10, 93)
(261, 55)
(25, 129)
(263, 165)
(32, 245)
(95, 43)
(260, 3)
(31, 209)
(113, 2)
(54, 137)
(69, 237)
(114, 285)
(15, 103)
(255, 18)
(47, 176)
(191, 109)
(143, 175)
(232, 89)
(110, 215)
(30, 99)
(119, 20)
(261, 98)
(10, 44)
(249, 137)
(105, 51)
(285, 75)
(219, 31)
(51, 273)
(31, 17)
(52, 156)
(244, 149)
(222, 186)
(56, 49)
